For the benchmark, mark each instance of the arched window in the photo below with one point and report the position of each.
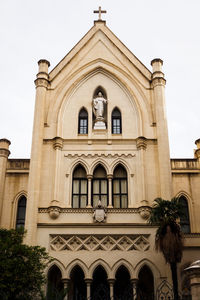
(100, 286)
(83, 121)
(79, 188)
(120, 189)
(99, 187)
(77, 287)
(123, 289)
(145, 286)
(21, 212)
(116, 121)
(185, 219)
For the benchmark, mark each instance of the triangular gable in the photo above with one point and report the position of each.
(100, 26)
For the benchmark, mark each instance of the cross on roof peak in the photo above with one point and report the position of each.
(100, 12)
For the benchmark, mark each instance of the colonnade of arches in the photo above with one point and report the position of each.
(100, 287)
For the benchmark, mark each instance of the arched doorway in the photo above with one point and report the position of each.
(55, 287)
(100, 287)
(145, 286)
(77, 290)
(123, 288)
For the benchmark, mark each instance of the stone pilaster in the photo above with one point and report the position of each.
(111, 284)
(4, 153)
(41, 84)
(197, 151)
(88, 282)
(141, 145)
(158, 86)
(57, 145)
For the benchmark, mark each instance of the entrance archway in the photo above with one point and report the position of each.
(100, 288)
(77, 290)
(123, 288)
(55, 287)
(145, 286)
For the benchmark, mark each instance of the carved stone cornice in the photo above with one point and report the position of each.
(141, 143)
(58, 143)
(94, 155)
(4, 152)
(158, 81)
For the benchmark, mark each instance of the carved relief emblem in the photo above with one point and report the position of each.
(99, 213)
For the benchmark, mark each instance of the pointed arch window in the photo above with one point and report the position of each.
(119, 188)
(83, 121)
(185, 219)
(116, 121)
(99, 187)
(79, 188)
(21, 212)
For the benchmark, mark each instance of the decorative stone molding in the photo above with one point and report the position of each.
(92, 155)
(141, 143)
(136, 242)
(58, 143)
(44, 210)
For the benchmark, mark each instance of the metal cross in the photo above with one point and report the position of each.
(100, 12)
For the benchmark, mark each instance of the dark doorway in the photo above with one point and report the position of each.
(55, 287)
(145, 287)
(123, 288)
(77, 289)
(100, 287)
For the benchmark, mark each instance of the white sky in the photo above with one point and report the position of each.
(31, 30)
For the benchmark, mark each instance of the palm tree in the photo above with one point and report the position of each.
(169, 239)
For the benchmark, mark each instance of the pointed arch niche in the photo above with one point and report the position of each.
(145, 285)
(185, 219)
(133, 107)
(55, 286)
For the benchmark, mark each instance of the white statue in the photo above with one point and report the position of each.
(98, 106)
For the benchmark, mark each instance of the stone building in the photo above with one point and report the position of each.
(100, 156)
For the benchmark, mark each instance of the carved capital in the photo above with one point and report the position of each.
(110, 176)
(41, 82)
(88, 281)
(4, 152)
(58, 143)
(89, 176)
(141, 143)
(158, 81)
(111, 281)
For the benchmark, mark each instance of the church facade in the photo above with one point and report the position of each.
(100, 156)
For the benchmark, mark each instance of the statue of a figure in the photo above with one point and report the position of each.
(98, 106)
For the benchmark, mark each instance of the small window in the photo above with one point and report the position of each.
(79, 188)
(83, 122)
(99, 187)
(21, 212)
(120, 189)
(116, 122)
(185, 219)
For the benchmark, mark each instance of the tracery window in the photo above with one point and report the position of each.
(83, 121)
(80, 188)
(116, 121)
(185, 219)
(119, 188)
(99, 187)
(21, 212)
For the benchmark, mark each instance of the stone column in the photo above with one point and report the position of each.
(134, 283)
(66, 287)
(111, 283)
(41, 84)
(110, 177)
(88, 282)
(141, 145)
(89, 177)
(4, 153)
(197, 151)
(193, 272)
(158, 85)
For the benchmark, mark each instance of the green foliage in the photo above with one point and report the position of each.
(22, 267)
(165, 214)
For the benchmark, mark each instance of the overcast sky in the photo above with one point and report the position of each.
(31, 30)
